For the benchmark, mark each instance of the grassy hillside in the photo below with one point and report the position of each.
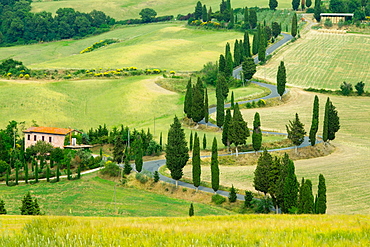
(246, 230)
(169, 46)
(130, 8)
(94, 196)
(322, 60)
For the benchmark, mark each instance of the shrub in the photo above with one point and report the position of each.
(156, 176)
(328, 23)
(111, 169)
(346, 88)
(141, 177)
(360, 88)
(217, 199)
(248, 199)
(261, 103)
(232, 194)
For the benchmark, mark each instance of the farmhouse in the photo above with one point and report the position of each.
(336, 17)
(54, 136)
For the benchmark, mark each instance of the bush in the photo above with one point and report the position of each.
(346, 88)
(261, 103)
(248, 199)
(156, 176)
(142, 178)
(360, 88)
(111, 169)
(328, 23)
(217, 199)
(232, 194)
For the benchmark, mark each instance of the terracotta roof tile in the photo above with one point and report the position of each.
(49, 130)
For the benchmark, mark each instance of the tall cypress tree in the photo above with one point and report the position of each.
(188, 99)
(198, 11)
(204, 142)
(326, 121)
(226, 129)
(209, 15)
(257, 133)
(237, 58)
(191, 141)
(26, 173)
(249, 68)
(294, 24)
(204, 13)
(196, 162)
(255, 44)
(262, 47)
(191, 210)
(127, 167)
(334, 125)
(307, 204)
(161, 141)
(36, 171)
(206, 110)
(290, 186)
(315, 121)
(139, 154)
(47, 173)
(295, 4)
(281, 79)
(246, 44)
(232, 100)
(220, 102)
(317, 10)
(261, 174)
(252, 18)
(176, 150)
(238, 132)
(229, 64)
(296, 131)
(321, 196)
(215, 172)
(58, 172)
(246, 18)
(222, 64)
(197, 111)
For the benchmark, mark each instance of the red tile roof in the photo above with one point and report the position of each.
(49, 130)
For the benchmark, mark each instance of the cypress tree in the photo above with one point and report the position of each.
(206, 110)
(28, 206)
(69, 174)
(156, 176)
(307, 204)
(232, 194)
(220, 101)
(326, 121)
(58, 172)
(197, 111)
(262, 47)
(308, 3)
(294, 24)
(252, 18)
(204, 142)
(315, 205)
(47, 173)
(26, 173)
(249, 68)
(317, 10)
(334, 125)
(7, 177)
(246, 18)
(238, 132)
(17, 164)
(290, 187)
(300, 196)
(209, 15)
(36, 171)
(241, 51)
(191, 141)
(215, 172)
(257, 133)
(315, 121)
(127, 167)
(191, 210)
(229, 64)
(2, 207)
(246, 44)
(296, 131)
(188, 99)
(176, 150)
(198, 11)
(226, 129)
(204, 13)
(281, 79)
(295, 4)
(232, 100)
(160, 140)
(261, 174)
(231, 19)
(248, 199)
(255, 44)
(321, 196)
(139, 155)
(273, 4)
(237, 58)
(196, 162)
(222, 64)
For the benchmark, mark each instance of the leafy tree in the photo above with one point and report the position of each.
(197, 111)
(127, 167)
(261, 174)
(360, 88)
(206, 110)
(315, 121)
(249, 68)
(226, 130)
(276, 29)
(29, 206)
(296, 131)
(188, 99)
(191, 210)
(321, 196)
(220, 113)
(215, 172)
(257, 133)
(148, 14)
(138, 154)
(331, 121)
(294, 24)
(248, 199)
(198, 11)
(232, 194)
(295, 4)
(204, 141)
(2, 207)
(17, 165)
(306, 205)
(196, 162)
(238, 132)
(246, 45)
(176, 150)
(346, 88)
(281, 79)
(273, 4)
(252, 18)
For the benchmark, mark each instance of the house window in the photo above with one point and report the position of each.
(49, 138)
(28, 137)
(43, 138)
(34, 137)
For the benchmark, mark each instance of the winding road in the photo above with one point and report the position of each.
(152, 166)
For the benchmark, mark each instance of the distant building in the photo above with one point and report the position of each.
(54, 136)
(336, 17)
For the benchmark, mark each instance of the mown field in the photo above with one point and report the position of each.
(169, 46)
(246, 230)
(322, 60)
(94, 196)
(128, 9)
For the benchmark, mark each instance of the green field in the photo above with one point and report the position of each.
(169, 46)
(240, 230)
(322, 60)
(128, 9)
(94, 196)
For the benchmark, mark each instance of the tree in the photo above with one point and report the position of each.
(198, 11)
(7, 177)
(204, 13)
(308, 3)
(69, 177)
(156, 176)
(37, 171)
(232, 194)
(346, 88)
(252, 18)
(257, 133)
(188, 99)
(237, 55)
(29, 206)
(191, 210)
(331, 122)
(222, 64)
(215, 172)
(238, 132)
(303, 4)
(321, 196)
(294, 24)
(17, 165)
(296, 131)
(317, 10)
(206, 110)
(273, 4)
(246, 45)
(127, 167)
(248, 199)
(255, 44)
(289, 185)
(295, 4)
(2, 207)
(147, 14)
(261, 174)
(197, 111)
(191, 141)
(47, 173)
(229, 64)
(204, 141)
(262, 47)
(360, 88)
(315, 121)
(226, 129)
(246, 18)
(220, 113)
(138, 154)
(306, 205)
(209, 15)
(118, 150)
(176, 150)
(26, 173)
(275, 29)
(249, 68)
(281, 79)
(196, 162)
(232, 100)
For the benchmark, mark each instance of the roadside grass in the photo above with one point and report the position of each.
(346, 170)
(131, 8)
(169, 46)
(322, 60)
(240, 230)
(95, 196)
